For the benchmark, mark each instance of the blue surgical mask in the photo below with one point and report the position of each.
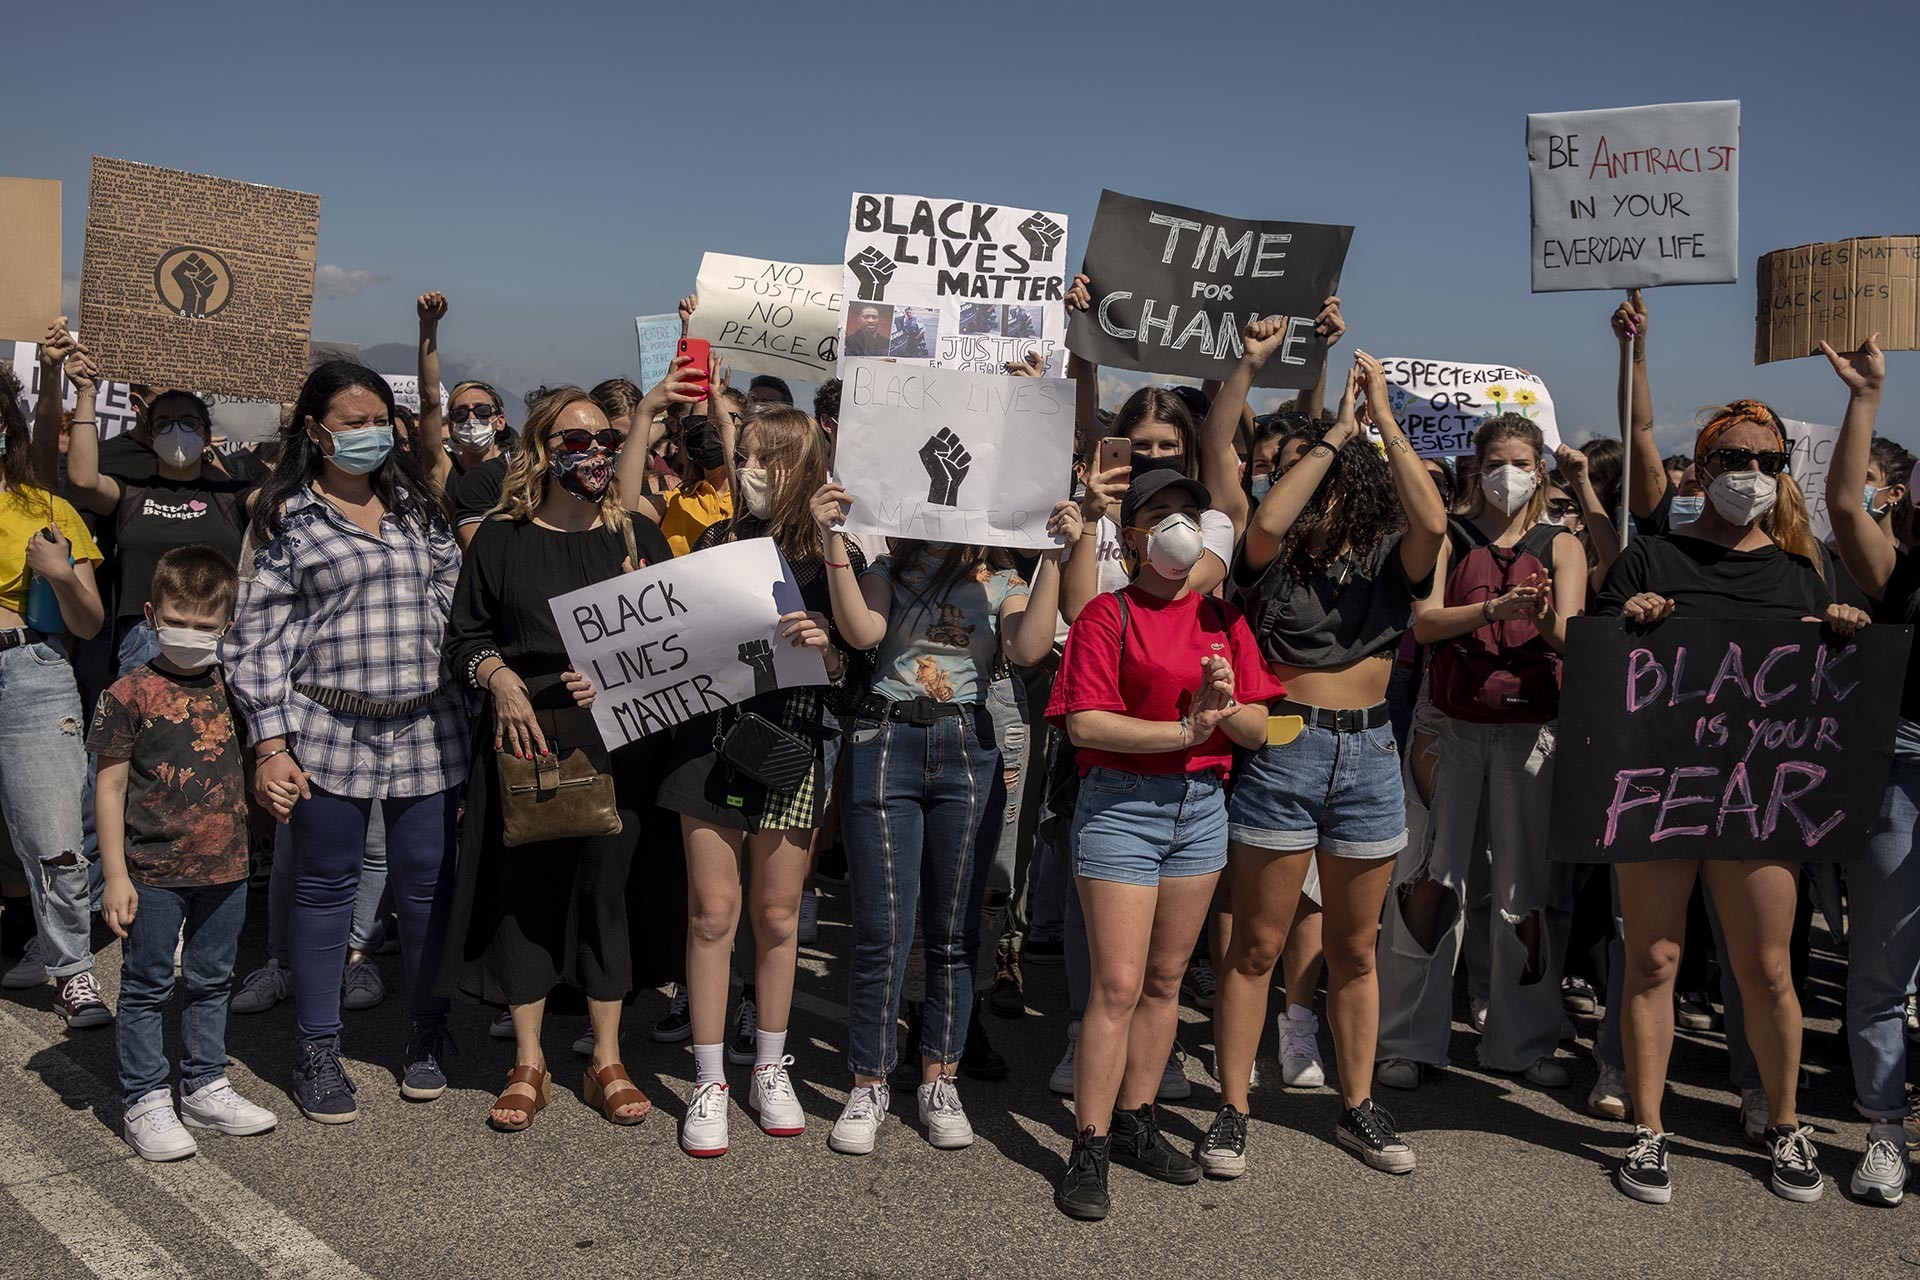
(1687, 510)
(1868, 499)
(361, 449)
(1260, 486)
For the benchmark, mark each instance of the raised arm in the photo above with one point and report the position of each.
(1229, 412)
(1274, 518)
(432, 427)
(1647, 474)
(48, 404)
(97, 493)
(861, 602)
(1028, 623)
(1426, 514)
(1864, 549)
(630, 471)
(1085, 373)
(1572, 465)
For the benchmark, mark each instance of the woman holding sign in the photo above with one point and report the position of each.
(1334, 557)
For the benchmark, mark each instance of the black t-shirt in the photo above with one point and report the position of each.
(1358, 607)
(1839, 582)
(155, 517)
(476, 491)
(1707, 580)
(1900, 605)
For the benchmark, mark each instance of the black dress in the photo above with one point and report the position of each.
(526, 919)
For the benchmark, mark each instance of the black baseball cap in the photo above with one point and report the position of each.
(1149, 482)
(1196, 400)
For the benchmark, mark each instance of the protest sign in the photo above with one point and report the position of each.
(1172, 287)
(1844, 292)
(112, 405)
(192, 281)
(674, 641)
(243, 422)
(1635, 196)
(1440, 404)
(953, 283)
(780, 318)
(406, 390)
(29, 257)
(658, 336)
(1700, 739)
(953, 456)
(1812, 447)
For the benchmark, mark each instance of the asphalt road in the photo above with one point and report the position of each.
(1512, 1180)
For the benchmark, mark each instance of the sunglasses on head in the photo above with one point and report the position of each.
(577, 440)
(466, 412)
(1772, 463)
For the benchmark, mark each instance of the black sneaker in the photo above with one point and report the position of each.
(1082, 1192)
(979, 1061)
(1796, 1171)
(744, 1047)
(1049, 951)
(1223, 1152)
(1368, 1131)
(321, 1087)
(1136, 1142)
(1578, 996)
(423, 1078)
(906, 1072)
(676, 1024)
(1642, 1174)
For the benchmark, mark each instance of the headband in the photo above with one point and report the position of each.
(1726, 419)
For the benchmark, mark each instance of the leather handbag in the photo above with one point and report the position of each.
(760, 749)
(566, 794)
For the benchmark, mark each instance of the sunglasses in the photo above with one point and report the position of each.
(1772, 463)
(191, 424)
(579, 441)
(466, 412)
(1562, 506)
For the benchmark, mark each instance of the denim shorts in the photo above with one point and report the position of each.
(1134, 828)
(1336, 792)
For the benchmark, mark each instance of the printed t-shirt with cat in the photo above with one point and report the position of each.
(942, 648)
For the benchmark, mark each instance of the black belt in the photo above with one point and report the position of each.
(1339, 721)
(920, 711)
(20, 637)
(352, 704)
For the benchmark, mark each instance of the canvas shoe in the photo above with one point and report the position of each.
(1082, 1192)
(422, 1078)
(218, 1106)
(153, 1130)
(1642, 1173)
(362, 987)
(1397, 1073)
(703, 1134)
(583, 1043)
(321, 1087)
(1693, 1010)
(1796, 1169)
(79, 1001)
(1136, 1142)
(945, 1119)
(1174, 1085)
(262, 989)
(1548, 1073)
(1223, 1152)
(676, 1024)
(501, 1028)
(1755, 1116)
(743, 1048)
(1061, 1081)
(773, 1102)
(27, 971)
(1608, 1099)
(1881, 1175)
(809, 930)
(1198, 985)
(1369, 1132)
(855, 1132)
(1300, 1065)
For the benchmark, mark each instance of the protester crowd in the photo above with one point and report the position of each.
(1282, 698)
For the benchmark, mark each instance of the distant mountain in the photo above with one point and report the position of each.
(404, 358)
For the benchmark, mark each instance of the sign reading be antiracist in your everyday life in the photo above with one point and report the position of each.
(1742, 740)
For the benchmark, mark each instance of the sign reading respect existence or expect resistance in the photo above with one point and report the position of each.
(954, 283)
(1843, 292)
(1172, 287)
(946, 455)
(1700, 739)
(1635, 196)
(781, 318)
(1440, 405)
(674, 641)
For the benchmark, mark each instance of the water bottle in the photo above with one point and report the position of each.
(42, 613)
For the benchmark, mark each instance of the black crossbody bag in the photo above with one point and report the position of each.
(760, 749)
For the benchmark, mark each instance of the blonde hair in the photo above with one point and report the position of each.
(794, 450)
(1787, 524)
(1513, 426)
(528, 479)
(474, 384)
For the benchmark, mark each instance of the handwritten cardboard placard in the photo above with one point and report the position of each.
(1812, 447)
(947, 455)
(1440, 404)
(658, 337)
(1701, 739)
(954, 283)
(1635, 196)
(192, 281)
(1844, 292)
(781, 318)
(1172, 288)
(669, 643)
(112, 405)
(29, 257)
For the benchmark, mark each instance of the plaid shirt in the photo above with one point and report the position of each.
(328, 605)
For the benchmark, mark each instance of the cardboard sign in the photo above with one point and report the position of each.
(112, 404)
(1812, 446)
(1844, 292)
(1440, 405)
(1699, 739)
(658, 337)
(1172, 288)
(29, 257)
(191, 281)
(954, 284)
(1635, 196)
(952, 456)
(406, 390)
(780, 318)
(244, 422)
(674, 641)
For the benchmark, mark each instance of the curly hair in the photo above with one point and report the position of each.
(1369, 509)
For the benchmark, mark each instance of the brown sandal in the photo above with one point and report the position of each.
(610, 1088)
(528, 1090)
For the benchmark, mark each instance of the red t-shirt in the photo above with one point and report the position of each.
(1159, 673)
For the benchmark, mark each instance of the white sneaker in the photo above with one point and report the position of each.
(1061, 1081)
(772, 1100)
(218, 1106)
(1300, 1065)
(1477, 1013)
(27, 971)
(1548, 1073)
(584, 1044)
(1913, 1018)
(362, 987)
(262, 989)
(1754, 1115)
(1174, 1084)
(501, 1028)
(1881, 1175)
(1397, 1073)
(809, 932)
(1609, 1099)
(943, 1116)
(859, 1123)
(704, 1132)
(155, 1132)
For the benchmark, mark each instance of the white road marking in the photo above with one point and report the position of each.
(98, 1236)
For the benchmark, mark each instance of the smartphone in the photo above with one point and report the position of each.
(1115, 451)
(701, 352)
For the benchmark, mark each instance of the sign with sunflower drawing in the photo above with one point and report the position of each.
(1440, 404)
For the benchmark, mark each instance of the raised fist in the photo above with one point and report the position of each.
(1043, 236)
(196, 280)
(758, 654)
(947, 462)
(872, 269)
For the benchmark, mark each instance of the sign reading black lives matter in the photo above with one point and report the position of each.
(1701, 739)
(674, 641)
(954, 283)
(1173, 287)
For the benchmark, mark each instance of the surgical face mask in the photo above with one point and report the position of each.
(177, 445)
(1868, 497)
(1508, 487)
(584, 475)
(1687, 510)
(361, 449)
(1741, 497)
(1174, 546)
(1260, 487)
(755, 486)
(188, 648)
(474, 433)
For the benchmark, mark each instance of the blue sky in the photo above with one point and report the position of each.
(557, 168)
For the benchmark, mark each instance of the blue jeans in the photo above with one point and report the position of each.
(1883, 954)
(368, 898)
(1134, 828)
(922, 813)
(1013, 733)
(43, 772)
(329, 838)
(212, 915)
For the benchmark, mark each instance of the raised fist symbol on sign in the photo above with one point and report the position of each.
(758, 654)
(872, 269)
(947, 462)
(1043, 236)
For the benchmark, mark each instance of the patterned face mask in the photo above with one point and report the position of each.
(586, 474)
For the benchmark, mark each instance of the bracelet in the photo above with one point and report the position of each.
(838, 564)
(85, 422)
(1186, 732)
(279, 751)
(1486, 611)
(496, 671)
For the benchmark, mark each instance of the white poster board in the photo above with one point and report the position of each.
(658, 337)
(1635, 196)
(674, 641)
(954, 283)
(1440, 404)
(1812, 447)
(406, 390)
(781, 318)
(113, 402)
(947, 455)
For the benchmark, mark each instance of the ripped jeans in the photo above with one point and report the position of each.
(43, 769)
(1508, 769)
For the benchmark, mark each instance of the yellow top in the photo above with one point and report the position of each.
(23, 514)
(691, 511)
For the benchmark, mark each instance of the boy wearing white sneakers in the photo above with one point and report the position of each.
(170, 810)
